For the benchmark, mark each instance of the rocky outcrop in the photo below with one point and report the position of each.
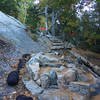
(12, 30)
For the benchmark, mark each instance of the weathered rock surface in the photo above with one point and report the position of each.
(80, 88)
(33, 87)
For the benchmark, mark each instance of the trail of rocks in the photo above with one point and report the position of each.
(52, 75)
(71, 78)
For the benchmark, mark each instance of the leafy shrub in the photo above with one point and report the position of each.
(35, 37)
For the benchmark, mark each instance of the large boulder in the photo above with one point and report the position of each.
(14, 31)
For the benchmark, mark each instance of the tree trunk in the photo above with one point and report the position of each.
(53, 23)
(46, 18)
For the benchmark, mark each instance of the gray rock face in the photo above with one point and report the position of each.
(80, 88)
(45, 81)
(33, 87)
(13, 31)
(53, 77)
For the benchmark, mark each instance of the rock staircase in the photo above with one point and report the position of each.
(57, 44)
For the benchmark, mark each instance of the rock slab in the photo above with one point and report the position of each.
(33, 87)
(80, 88)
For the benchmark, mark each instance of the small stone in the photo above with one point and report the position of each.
(53, 77)
(80, 88)
(45, 81)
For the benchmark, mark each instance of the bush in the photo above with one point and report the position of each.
(35, 37)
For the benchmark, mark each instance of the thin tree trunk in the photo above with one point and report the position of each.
(53, 23)
(46, 18)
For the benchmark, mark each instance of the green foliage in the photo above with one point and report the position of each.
(54, 4)
(32, 18)
(35, 37)
(9, 7)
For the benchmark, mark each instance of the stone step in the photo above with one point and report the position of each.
(57, 47)
(56, 41)
(57, 44)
